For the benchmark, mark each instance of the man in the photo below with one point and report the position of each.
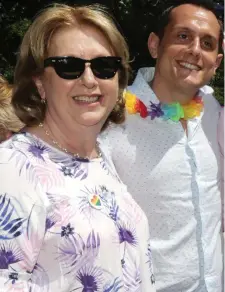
(167, 153)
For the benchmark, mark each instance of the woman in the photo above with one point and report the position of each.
(9, 122)
(67, 221)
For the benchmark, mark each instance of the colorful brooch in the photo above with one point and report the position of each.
(95, 201)
(173, 111)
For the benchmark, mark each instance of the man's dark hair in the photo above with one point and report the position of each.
(164, 16)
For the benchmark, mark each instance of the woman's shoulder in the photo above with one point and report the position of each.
(16, 144)
(20, 151)
(17, 164)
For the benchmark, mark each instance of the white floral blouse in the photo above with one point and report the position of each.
(67, 224)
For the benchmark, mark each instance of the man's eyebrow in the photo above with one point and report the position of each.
(185, 28)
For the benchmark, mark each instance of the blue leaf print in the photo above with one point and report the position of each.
(104, 166)
(9, 228)
(80, 169)
(74, 253)
(74, 168)
(57, 199)
(132, 278)
(84, 175)
(49, 223)
(9, 254)
(37, 150)
(93, 241)
(149, 262)
(108, 168)
(152, 279)
(64, 159)
(28, 149)
(2, 206)
(88, 281)
(106, 195)
(113, 212)
(70, 250)
(80, 173)
(127, 235)
(28, 165)
(90, 278)
(116, 286)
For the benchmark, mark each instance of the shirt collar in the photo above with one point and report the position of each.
(142, 89)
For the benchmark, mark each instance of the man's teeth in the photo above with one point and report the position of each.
(189, 66)
(86, 98)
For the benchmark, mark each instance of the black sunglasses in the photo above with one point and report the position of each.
(73, 68)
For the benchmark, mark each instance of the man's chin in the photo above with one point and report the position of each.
(194, 82)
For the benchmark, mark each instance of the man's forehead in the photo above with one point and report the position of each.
(193, 17)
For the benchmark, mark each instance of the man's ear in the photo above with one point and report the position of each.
(218, 62)
(153, 44)
(39, 85)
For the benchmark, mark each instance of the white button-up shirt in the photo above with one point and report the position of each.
(175, 179)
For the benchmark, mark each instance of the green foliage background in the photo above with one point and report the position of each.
(135, 19)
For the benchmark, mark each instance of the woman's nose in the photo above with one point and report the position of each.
(88, 77)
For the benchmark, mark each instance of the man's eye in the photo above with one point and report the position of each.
(207, 44)
(182, 36)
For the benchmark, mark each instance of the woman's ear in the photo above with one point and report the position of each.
(39, 86)
(153, 45)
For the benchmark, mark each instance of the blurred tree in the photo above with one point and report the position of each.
(136, 19)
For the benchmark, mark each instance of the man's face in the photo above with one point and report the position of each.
(187, 55)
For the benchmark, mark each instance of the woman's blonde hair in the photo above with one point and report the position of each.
(34, 49)
(9, 122)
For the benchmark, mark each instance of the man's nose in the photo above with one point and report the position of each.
(195, 47)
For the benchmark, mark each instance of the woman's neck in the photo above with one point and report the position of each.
(80, 140)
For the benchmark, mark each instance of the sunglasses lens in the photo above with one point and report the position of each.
(105, 67)
(73, 68)
(69, 68)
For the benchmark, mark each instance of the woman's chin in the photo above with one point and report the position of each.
(91, 120)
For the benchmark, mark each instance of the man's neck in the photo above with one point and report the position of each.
(167, 94)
